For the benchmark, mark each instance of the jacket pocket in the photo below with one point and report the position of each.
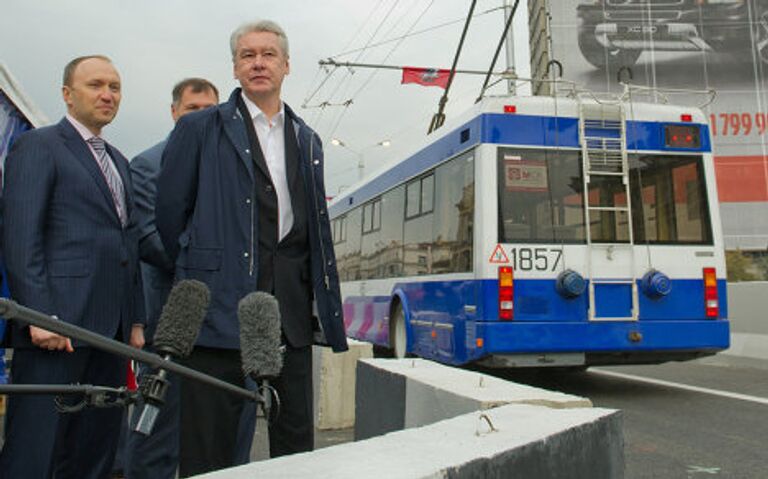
(71, 267)
(205, 259)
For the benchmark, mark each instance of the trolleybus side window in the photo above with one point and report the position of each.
(417, 237)
(348, 252)
(454, 216)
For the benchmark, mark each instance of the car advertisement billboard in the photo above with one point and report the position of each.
(719, 45)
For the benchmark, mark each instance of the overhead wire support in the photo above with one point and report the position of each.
(439, 118)
(334, 63)
(504, 34)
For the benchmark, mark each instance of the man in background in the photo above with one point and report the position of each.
(157, 456)
(71, 251)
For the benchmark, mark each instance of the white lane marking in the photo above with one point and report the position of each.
(659, 382)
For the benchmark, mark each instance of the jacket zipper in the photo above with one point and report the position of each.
(317, 211)
(250, 253)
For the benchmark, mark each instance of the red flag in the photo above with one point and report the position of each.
(426, 76)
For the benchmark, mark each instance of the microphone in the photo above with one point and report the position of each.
(261, 350)
(177, 330)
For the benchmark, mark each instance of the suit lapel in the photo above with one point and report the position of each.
(79, 149)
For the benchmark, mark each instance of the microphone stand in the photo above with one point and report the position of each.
(93, 396)
(12, 310)
(269, 400)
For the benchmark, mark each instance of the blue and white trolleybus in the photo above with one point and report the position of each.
(539, 231)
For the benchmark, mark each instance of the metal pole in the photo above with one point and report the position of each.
(10, 309)
(510, 45)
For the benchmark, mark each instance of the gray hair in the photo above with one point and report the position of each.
(256, 27)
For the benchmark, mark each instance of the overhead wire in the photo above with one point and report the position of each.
(371, 46)
(349, 72)
(419, 32)
(374, 72)
(329, 74)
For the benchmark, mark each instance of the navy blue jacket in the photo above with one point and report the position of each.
(156, 268)
(65, 250)
(207, 218)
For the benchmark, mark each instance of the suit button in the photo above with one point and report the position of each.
(322, 212)
(247, 201)
(268, 188)
(124, 262)
(245, 255)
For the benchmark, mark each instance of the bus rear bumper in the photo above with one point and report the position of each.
(606, 342)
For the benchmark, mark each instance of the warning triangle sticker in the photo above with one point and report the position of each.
(499, 256)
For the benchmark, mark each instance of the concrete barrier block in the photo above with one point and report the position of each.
(510, 441)
(397, 394)
(334, 384)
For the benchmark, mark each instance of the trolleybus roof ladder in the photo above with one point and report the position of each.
(602, 134)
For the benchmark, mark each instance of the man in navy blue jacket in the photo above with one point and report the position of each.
(71, 250)
(156, 456)
(241, 206)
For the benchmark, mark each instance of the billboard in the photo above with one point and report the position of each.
(719, 45)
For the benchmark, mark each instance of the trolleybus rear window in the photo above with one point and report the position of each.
(541, 199)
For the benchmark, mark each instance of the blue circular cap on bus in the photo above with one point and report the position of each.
(570, 283)
(656, 284)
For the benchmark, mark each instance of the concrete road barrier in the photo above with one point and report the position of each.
(399, 394)
(334, 384)
(516, 440)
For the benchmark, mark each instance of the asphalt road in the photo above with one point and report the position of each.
(672, 432)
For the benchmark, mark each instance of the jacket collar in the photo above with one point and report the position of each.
(234, 128)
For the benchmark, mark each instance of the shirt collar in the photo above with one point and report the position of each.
(82, 129)
(256, 112)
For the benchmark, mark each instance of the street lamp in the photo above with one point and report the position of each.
(359, 154)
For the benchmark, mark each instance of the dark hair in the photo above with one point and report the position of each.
(69, 70)
(197, 85)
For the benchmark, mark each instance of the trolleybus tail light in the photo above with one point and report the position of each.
(506, 303)
(711, 304)
(686, 117)
(510, 109)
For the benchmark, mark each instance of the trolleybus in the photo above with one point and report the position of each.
(541, 231)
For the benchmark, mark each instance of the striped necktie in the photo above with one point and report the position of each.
(114, 182)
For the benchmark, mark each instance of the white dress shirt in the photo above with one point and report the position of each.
(271, 134)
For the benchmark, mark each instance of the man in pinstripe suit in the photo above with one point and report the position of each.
(71, 251)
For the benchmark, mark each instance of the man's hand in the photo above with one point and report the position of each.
(51, 341)
(137, 336)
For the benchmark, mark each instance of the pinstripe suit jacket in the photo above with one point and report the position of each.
(66, 252)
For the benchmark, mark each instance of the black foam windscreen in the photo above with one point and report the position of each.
(260, 330)
(182, 317)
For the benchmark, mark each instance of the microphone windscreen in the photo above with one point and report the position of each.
(182, 317)
(260, 330)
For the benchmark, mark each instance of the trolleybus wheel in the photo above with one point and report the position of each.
(398, 336)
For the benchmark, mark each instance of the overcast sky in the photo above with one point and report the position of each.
(155, 43)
